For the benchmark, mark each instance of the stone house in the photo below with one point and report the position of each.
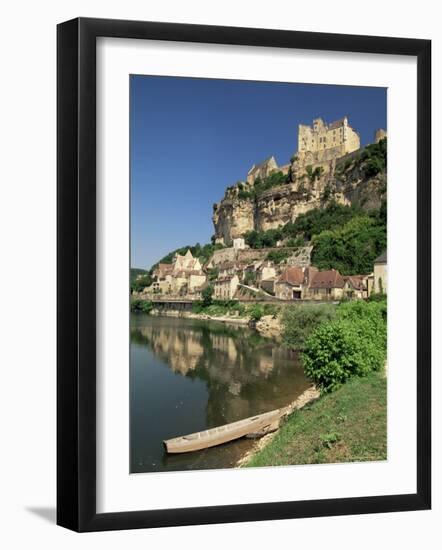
(183, 276)
(266, 270)
(225, 288)
(262, 170)
(326, 285)
(268, 285)
(239, 243)
(355, 286)
(290, 284)
(163, 279)
(226, 269)
(377, 281)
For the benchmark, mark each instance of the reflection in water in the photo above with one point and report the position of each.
(189, 375)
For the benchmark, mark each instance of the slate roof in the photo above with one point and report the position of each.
(382, 259)
(256, 167)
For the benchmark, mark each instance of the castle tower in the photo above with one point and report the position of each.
(327, 141)
(379, 134)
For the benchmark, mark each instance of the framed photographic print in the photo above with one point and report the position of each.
(243, 274)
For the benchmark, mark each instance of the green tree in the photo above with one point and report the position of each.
(278, 256)
(351, 248)
(299, 321)
(353, 344)
(206, 295)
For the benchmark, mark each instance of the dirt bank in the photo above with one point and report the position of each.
(309, 395)
(270, 327)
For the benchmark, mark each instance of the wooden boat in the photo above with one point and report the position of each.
(255, 426)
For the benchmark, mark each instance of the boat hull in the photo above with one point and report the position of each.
(255, 425)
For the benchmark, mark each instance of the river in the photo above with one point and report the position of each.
(188, 375)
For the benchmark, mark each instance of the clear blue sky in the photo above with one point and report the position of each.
(191, 138)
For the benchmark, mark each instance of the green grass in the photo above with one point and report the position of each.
(348, 425)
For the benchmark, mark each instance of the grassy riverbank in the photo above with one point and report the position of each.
(347, 425)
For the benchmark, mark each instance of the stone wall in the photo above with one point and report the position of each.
(300, 258)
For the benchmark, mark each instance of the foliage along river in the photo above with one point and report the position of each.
(189, 375)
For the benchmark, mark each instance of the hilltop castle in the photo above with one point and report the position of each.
(318, 144)
(327, 163)
(323, 142)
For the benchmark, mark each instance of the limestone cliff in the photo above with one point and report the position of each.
(249, 206)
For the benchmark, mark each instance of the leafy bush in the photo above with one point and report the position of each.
(278, 256)
(300, 321)
(295, 242)
(250, 278)
(374, 158)
(206, 295)
(271, 309)
(354, 344)
(143, 306)
(142, 281)
(256, 312)
(213, 273)
(263, 239)
(314, 174)
(260, 185)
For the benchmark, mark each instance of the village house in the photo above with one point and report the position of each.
(262, 170)
(290, 284)
(265, 270)
(226, 269)
(239, 243)
(377, 281)
(380, 274)
(183, 276)
(163, 279)
(326, 285)
(355, 286)
(225, 288)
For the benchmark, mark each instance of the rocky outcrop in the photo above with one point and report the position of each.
(344, 180)
(233, 217)
(269, 326)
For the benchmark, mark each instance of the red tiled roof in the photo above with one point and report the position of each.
(356, 281)
(292, 276)
(327, 279)
(163, 269)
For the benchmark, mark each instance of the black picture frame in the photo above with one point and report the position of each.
(76, 274)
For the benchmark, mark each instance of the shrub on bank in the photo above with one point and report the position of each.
(354, 344)
(300, 321)
(144, 306)
(256, 312)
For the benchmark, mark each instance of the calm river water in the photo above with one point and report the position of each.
(189, 375)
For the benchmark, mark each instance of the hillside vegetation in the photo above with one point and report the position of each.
(346, 238)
